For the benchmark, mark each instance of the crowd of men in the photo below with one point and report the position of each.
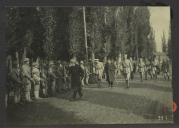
(40, 80)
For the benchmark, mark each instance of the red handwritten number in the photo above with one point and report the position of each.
(174, 106)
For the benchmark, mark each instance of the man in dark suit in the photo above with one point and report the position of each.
(76, 73)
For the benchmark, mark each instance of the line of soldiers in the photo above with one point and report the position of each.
(39, 81)
(34, 82)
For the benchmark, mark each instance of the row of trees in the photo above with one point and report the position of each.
(58, 33)
(166, 45)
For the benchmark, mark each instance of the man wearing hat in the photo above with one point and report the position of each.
(27, 79)
(36, 78)
(76, 73)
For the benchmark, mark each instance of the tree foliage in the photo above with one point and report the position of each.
(58, 33)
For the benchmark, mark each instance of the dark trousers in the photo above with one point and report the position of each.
(79, 91)
(110, 83)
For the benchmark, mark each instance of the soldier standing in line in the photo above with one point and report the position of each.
(27, 79)
(83, 78)
(154, 68)
(132, 68)
(86, 73)
(141, 66)
(147, 68)
(59, 75)
(52, 79)
(36, 78)
(99, 68)
(16, 82)
(66, 77)
(127, 66)
(43, 81)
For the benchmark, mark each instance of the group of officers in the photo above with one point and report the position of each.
(35, 81)
(127, 68)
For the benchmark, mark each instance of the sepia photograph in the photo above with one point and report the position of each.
(88, 65)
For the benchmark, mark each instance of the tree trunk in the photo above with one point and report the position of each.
(85, 34)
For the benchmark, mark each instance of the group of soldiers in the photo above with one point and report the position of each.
(127, 67)
(33, 81)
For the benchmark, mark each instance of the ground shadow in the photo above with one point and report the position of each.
(39, 114)
(138, 105)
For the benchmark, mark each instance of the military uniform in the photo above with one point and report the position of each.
(165, 69)
(132, 69)
(127, 68)
(43, 82)
(27, 79)
(99, 68)
(141, 66)
(86, 73)
(147, 68)
(60, 77)
(36, 78)
(16, 83)
(52, 80)
(110, 73)
(83, 68)
(154, 68)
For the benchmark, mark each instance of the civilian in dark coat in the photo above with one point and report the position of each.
(110, 72)
(76, 73)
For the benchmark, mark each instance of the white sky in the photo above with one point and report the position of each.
(160, 21)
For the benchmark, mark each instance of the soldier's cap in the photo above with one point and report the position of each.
(72, 61)
(26, 59)
(81, 62)
(51, 63)
(96, 59)
(35, 64)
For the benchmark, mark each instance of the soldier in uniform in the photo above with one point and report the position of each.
(99, 68)
(59, 75)
(147, 68)
(16, 82)
(127, 67)
(66, 78)
(76, 73)
(110, 72)
(141, 66)
(43, 81)
(27, 79)
(83, 78)
(154, 68)
(132, 68)
(86, 73)
(52, 79)
(165, 69)
(36, 78)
